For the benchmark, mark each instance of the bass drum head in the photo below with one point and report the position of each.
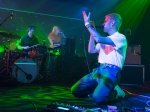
(25, 70)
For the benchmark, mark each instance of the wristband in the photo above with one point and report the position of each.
(87, 23)
(87, 26)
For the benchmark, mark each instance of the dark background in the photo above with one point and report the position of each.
(67, 14)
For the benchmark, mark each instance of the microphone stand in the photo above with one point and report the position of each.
(8, 42)
(5, 19)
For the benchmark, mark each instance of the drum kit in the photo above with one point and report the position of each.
(23, 65)
(26, 68)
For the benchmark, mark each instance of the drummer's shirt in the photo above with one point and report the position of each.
(28, 41)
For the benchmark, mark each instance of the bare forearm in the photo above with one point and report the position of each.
(97, 37)
(91, 45)
(94, 34)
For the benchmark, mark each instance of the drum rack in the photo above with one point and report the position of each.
(7, 69)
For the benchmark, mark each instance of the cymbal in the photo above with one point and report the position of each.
(9, 35)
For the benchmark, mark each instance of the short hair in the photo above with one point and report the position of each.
(31, 27)
(117, 18)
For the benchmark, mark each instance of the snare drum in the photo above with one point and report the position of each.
(25, 70)
(40, 50)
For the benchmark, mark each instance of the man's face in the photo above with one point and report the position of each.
(31, 31)
(57, 30)
(107, 24)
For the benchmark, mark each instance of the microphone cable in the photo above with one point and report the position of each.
(85, 51)
(100, 27)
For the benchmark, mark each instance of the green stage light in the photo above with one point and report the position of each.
(132, 12)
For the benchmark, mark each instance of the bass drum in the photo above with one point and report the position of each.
(25, 70)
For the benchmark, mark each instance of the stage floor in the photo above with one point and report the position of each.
(35, 96)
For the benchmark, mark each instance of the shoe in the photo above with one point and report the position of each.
(120, 92)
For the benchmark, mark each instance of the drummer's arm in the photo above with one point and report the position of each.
(24, 47)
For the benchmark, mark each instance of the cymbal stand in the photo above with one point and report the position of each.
(8, 60)
(10, 16)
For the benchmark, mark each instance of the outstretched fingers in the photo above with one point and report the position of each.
(86, 17)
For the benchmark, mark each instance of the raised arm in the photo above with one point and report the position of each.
(91, 46)
(94, 34)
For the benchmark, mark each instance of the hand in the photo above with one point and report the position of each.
(85, 17)
(26, 47)
(56, 45)
(92, 24)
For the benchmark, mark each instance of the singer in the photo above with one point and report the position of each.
(102, 83)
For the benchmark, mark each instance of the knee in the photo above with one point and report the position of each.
(78, 93)
(74, 92)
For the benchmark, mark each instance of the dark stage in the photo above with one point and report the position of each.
(42, 84)
(41, 95)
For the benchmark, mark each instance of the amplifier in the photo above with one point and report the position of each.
(133, 55)
(132, 75)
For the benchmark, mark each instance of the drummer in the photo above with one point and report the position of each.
(29, 40)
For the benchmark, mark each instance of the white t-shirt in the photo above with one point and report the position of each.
(114, 55)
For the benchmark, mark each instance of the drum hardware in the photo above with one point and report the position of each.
(37, 50)
(7, 63)
(10, 16)
(32, 53)
(8, 35)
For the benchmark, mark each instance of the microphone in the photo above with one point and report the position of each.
(100, 27)
(11, 15)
